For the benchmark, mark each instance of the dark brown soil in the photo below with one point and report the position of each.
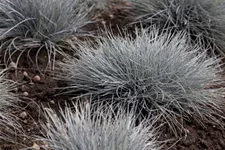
(212, 137)
(42, 93)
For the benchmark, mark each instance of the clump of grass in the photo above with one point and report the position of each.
(101, 130)
(202, 20)
(7, 100)
(160, 74)
(40, 25)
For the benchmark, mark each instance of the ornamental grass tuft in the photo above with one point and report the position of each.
(80, 129)
(202, 20)
(40, 26)
(159, 74)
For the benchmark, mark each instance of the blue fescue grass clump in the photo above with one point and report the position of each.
(7, 100)
(202, 20)
(81, 129)
(43, 25)
(161, 75)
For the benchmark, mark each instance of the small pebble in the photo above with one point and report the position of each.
(12, 65)
(103, 22)
(52, 102)
(111, 16)
(74, 38)
(37, 78)
(46, 145)
(23, 115)
(25, 121)
(25, 94)
(36, 147)
(127, 4)
(25, 74)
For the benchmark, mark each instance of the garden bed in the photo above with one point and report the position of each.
(36, 94)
